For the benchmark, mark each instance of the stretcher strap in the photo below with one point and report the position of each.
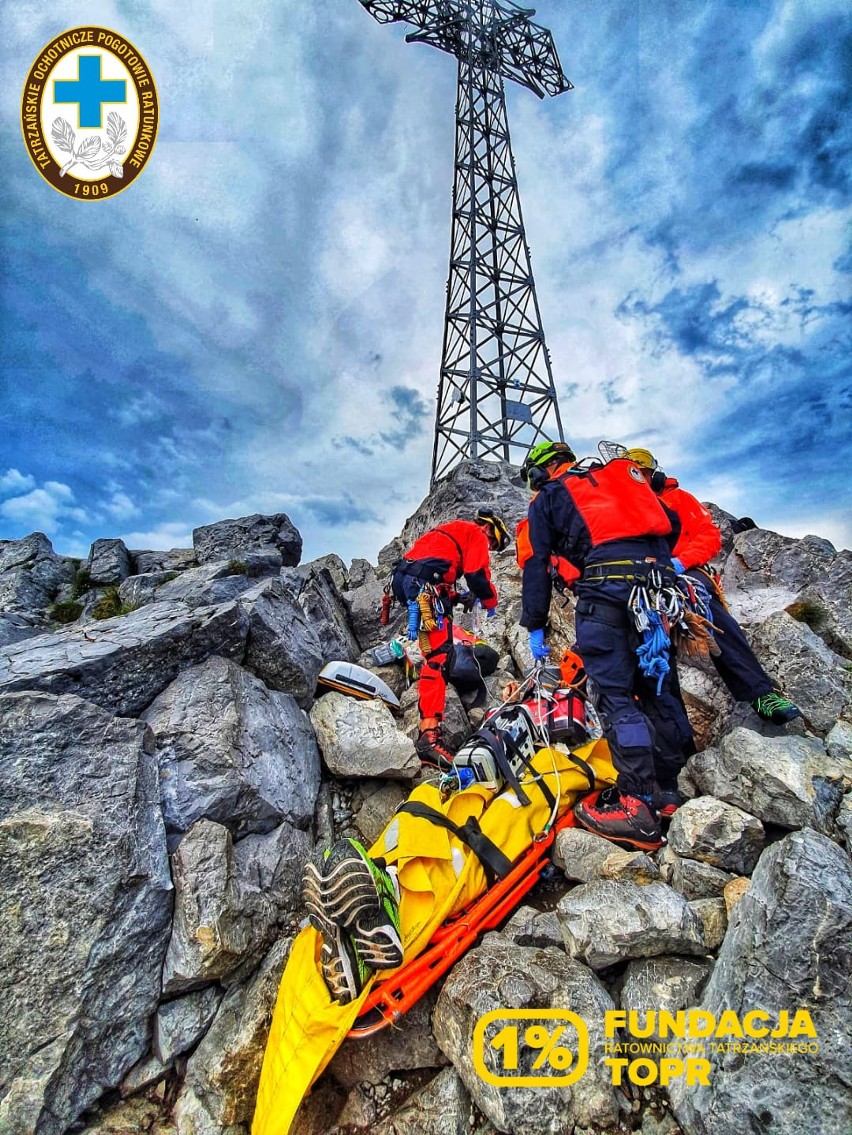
(496, 864)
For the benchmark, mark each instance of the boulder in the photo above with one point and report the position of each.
(364, 601)
(609, 921)
(407, 1046)
(87, 904)
(180, 1024)
(15, 626)
(137, 590)
(335, 567)
(690, 877)
(580, 855)
(222, 1075)
(376, 804)
(812, 675)
(108, 563)
(121, 664)
(231, 750)
(360, 738)
(317, 595)
(204, 586)
(442, 1107)
(788, 948)
(665, 984)
(282, 648)
(31, 573)
(500, 975)
(826, 606)
(788, 781)
(717, 833)
(531, 927)
(177, 559)
(766, 571)
(231, 539)
(230, 901)
(714, 919)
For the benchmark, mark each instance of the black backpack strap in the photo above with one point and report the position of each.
(496, 864)
(502, 743)
(585, 767)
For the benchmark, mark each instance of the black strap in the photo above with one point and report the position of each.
(503, 742)
(585, 767)
(496, 864)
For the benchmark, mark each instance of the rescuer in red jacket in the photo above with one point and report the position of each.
(699, 542)
(425, 579)
(612, 528)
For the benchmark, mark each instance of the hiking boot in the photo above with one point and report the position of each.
(350, 891)
(343, 969)
(620, 817)
(667, 800)
(431, 750)
(776, 708)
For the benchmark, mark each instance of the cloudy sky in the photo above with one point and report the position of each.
(255, 324)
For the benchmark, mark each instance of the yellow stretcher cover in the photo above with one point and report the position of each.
(438, 875)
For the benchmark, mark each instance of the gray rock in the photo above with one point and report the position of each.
(230, 901)
(455, 728)
(442, 1107)
(335, 567)
(690, 878)
(87, 900)
(180, 1024)
(323, 605)
(376, 807)
(531, 927)
(14, 627)
(826, 606)
(364, 601)
(838, 743)
(788, 781)
(230, 539)
(224, 1070)
(766, 571)
(148, 1071)
(501, 975)
(205, 586)
(360, 738)
(282, 648)
(844, 821)
(665, 984)
(814, 677)
(233, 751)
(608, 921)
(789, 947)
(122, 664)
(714, 918)
(717, 833)
(177, 559)
(406, 1046)
(137, 590)
(31, 573)
(108, 562)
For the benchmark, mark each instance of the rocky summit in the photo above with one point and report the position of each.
(168, 763)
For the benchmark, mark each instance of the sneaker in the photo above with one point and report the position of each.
(343, 969)
(667, 800)
(621, 818)
(775, 708)
(431, 751)
(350, 891)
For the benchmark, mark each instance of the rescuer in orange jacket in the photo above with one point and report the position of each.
(426, 576)
(614, 532)
(699, 542)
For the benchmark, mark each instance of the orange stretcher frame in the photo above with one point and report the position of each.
(389, 1000)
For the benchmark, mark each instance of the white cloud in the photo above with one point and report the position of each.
(120, 506)
(13, 481)
(175, 534)
(45, 508)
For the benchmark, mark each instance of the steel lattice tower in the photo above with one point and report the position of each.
(496, 388)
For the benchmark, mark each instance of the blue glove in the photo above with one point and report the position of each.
(678, 566)
(540, 650)
(490, 614)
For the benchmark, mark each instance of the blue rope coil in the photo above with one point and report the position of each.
(653, 651)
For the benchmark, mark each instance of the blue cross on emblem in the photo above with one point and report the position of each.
(89, 90)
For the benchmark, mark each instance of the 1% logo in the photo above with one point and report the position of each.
(552, 1055)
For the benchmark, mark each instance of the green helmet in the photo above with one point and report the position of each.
(542, 454)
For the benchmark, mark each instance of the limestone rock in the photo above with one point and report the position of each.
(282, 647)
(230, 901)
(789, 947)
(31, 573)
(717, 833)
(177, 559)
(122, 663)
(788, 781)
(364, 600)
(826, 606)
(691, 878)
(224, 1070)
(108, 562)
(442, 1107)
(233, 751)
(204, 586)
(665, 984)
(87, 901)
(181, 1023)
(714, 918)
(608, 921)
(580, 854)
(137, 590)
(733, 892)
(335, 567)
(531, 927)
(838, 743)
(377, 804)
(360, 738)
(501, 975)
(317, 595)
(230, 539)
(407, 1046)
(814, 677)
(15, 626)
(766, 571)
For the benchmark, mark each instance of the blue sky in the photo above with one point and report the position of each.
(255, 324)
